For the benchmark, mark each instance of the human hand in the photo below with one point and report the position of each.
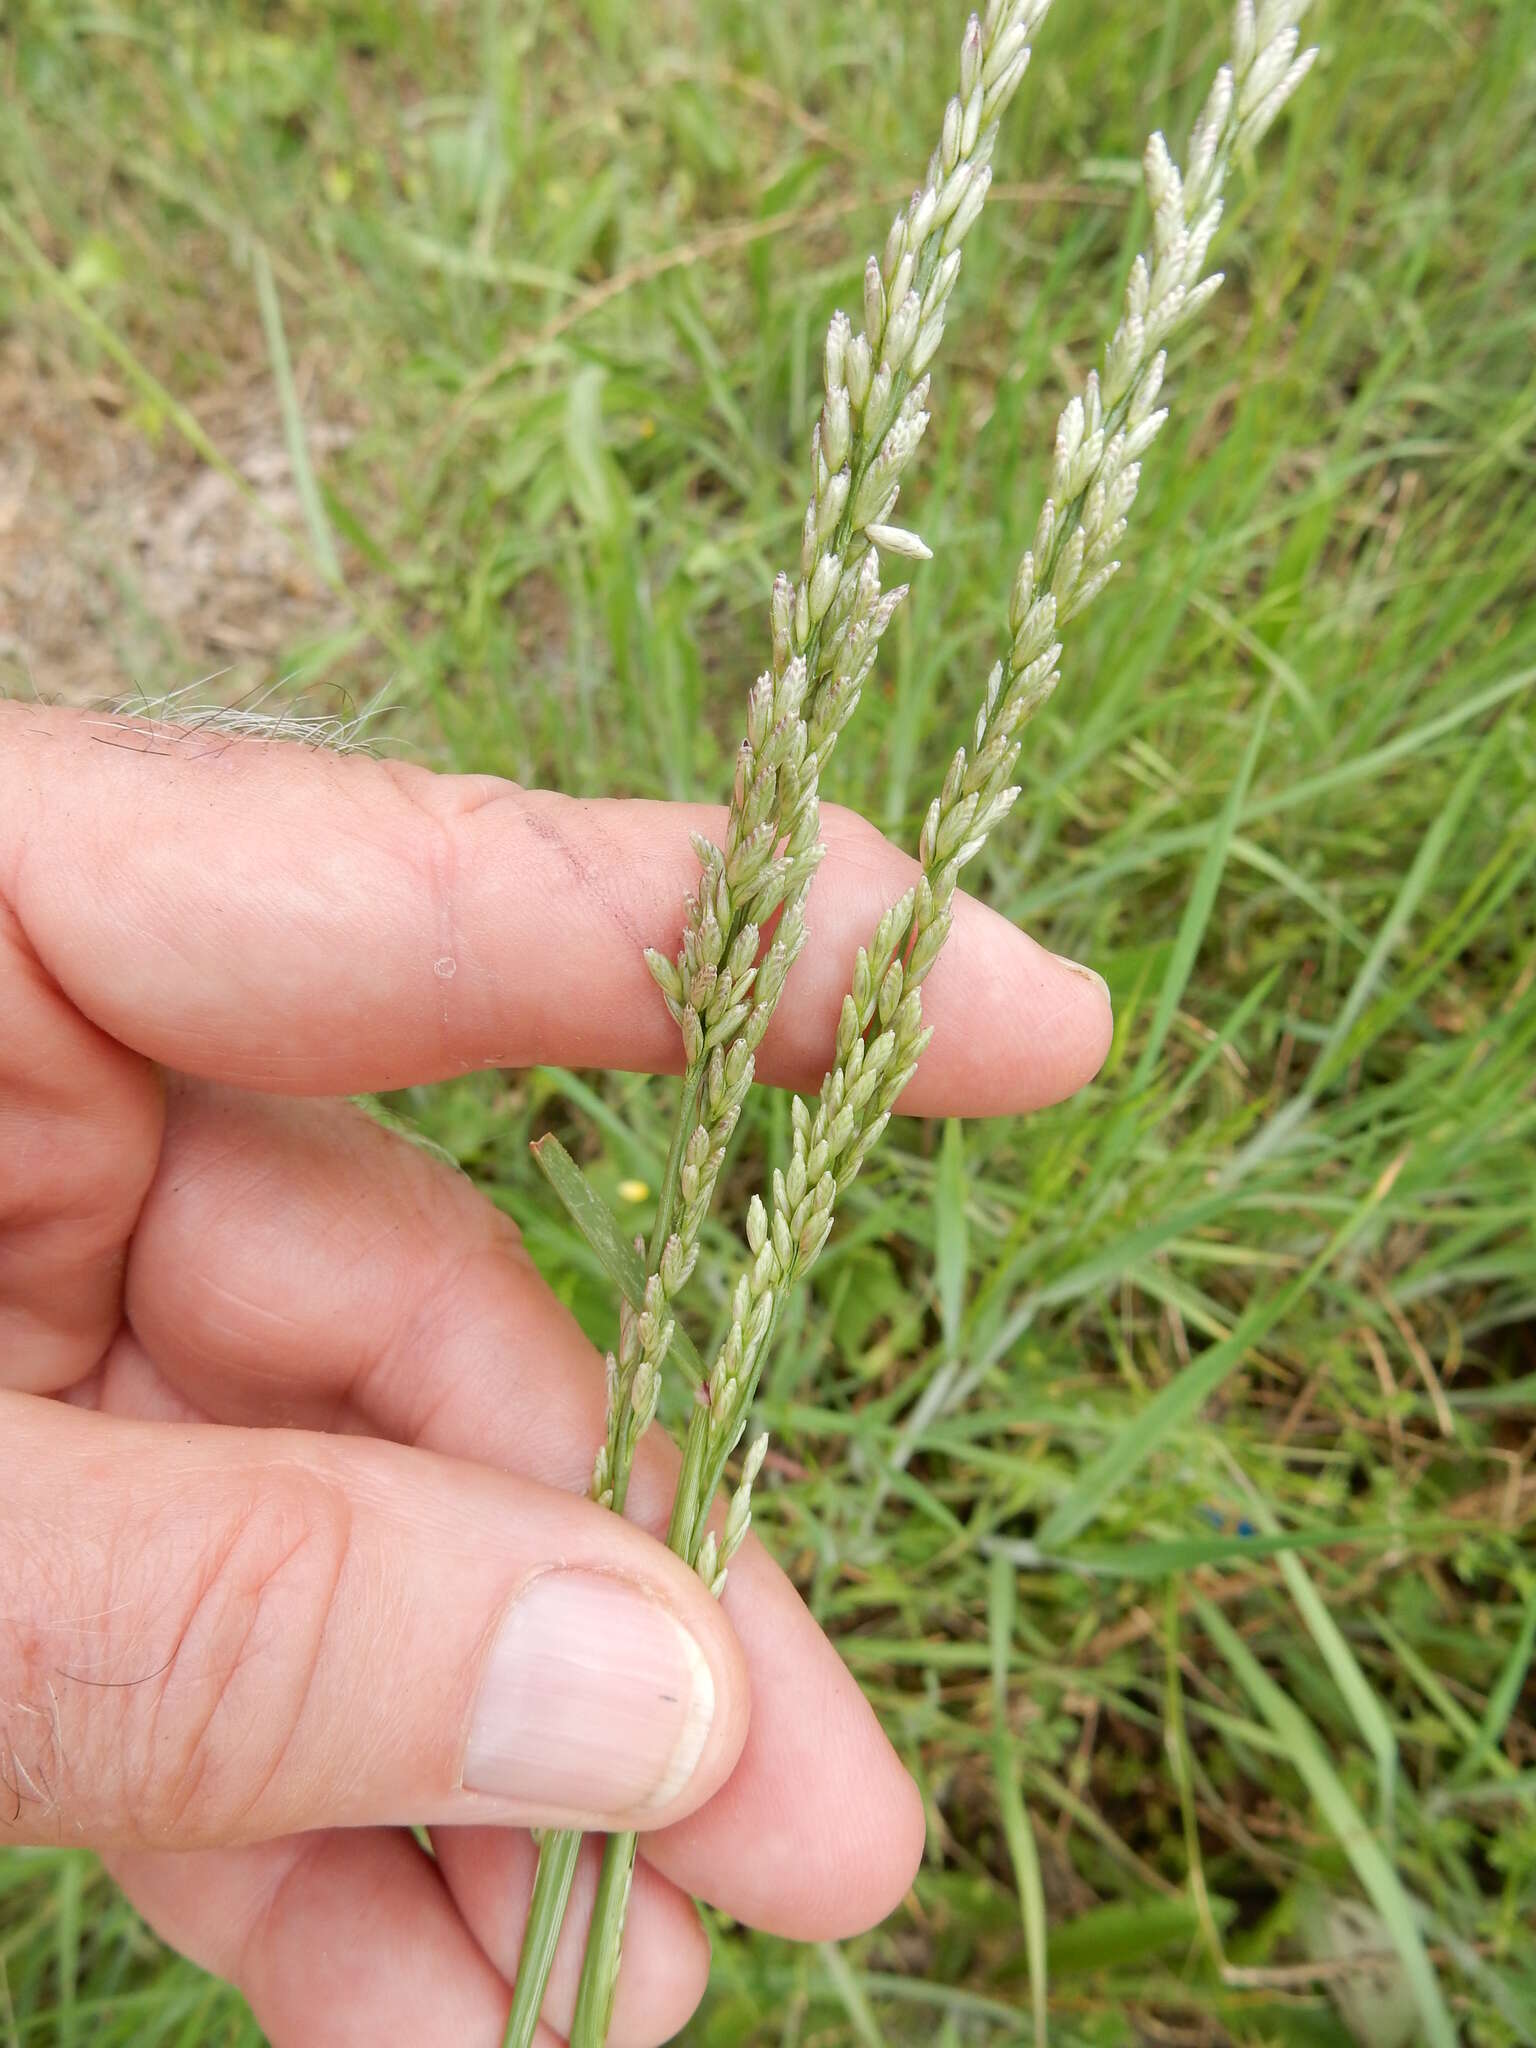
(293, 1542)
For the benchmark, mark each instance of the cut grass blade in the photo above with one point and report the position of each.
(1153, 1560)
(1110, 1937)
(1017, 1831)
(68, 1933)
(1343, 1666)
(951, 1235)
(1338, 1048)
(1502, 1701)
(321, 539)
(850, 1995)
(1436, 843)
(949, 1385)
(1371, 1866)
(1181, 1764)
(1202, 898)
(1183, 1397)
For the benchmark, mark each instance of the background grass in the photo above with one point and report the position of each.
(1162, 1465)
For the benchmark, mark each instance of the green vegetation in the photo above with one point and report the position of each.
(1169, 1483)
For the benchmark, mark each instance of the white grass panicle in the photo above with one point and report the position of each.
(1100, 439)
(826, 626)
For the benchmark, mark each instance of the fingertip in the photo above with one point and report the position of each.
(863, 1876)
(906, 1844)
(1092, 1012)
(1015, 1027)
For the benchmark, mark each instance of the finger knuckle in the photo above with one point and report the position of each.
(438, 810)
(209, 1734)
(435, 829)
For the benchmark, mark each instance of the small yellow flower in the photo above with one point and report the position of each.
(633, 1190)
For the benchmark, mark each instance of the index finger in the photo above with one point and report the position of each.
(267, 915)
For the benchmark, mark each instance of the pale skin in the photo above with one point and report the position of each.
(289, 1415)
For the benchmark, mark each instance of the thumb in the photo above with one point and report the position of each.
(215, 1635)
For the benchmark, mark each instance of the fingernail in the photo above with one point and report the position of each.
(1088, 974)
(595, 1700)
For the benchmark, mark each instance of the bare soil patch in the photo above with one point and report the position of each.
(127, 565)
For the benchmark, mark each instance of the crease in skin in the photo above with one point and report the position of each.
(592, 876)
(443, 851)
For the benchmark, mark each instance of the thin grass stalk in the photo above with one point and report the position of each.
(1100, 439)
(826, 626)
